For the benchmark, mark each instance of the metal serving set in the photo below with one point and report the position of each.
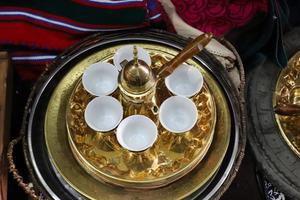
(71, 159)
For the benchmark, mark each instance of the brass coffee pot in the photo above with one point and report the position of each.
(137, 81)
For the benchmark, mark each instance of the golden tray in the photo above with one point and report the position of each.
(171, 157)
(56, 137)
(287, 91)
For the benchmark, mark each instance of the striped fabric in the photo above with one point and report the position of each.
(36, 31)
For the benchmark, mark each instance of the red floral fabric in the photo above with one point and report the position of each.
(218, 16)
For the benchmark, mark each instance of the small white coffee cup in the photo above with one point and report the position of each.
(178, 114)
(126, 53)
(136, 133)
(100, 79)
(103, 113)
(186, 81)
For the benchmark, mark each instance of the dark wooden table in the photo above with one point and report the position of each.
(5, 93)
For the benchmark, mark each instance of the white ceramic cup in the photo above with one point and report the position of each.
(103, 113)
(100, 79)
(186, 81)
(136, 133)
(178, 114)
(126, 53)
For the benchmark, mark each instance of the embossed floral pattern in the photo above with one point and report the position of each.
(218, 16)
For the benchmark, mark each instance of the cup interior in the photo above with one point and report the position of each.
(137, 133)
(126, 53)
(186, 81)
(178, 114)
(100, 79)
(103, 113)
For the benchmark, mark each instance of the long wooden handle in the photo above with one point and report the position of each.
(194, 47)
(288, 110)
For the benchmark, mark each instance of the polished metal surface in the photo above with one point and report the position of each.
(286, 101)
(136, 77)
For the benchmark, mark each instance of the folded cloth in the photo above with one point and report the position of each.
(35, 32)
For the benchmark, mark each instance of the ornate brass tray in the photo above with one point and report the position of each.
(172, 156)
(288, 92)
(62, 157)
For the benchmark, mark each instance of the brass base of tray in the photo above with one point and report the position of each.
(171, 157)
(62, 157)
(287, 92)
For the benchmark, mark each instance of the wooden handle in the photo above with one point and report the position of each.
(288, 110)
(194, 47)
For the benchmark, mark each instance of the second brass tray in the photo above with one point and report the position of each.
(172, 156)
(287, 91)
